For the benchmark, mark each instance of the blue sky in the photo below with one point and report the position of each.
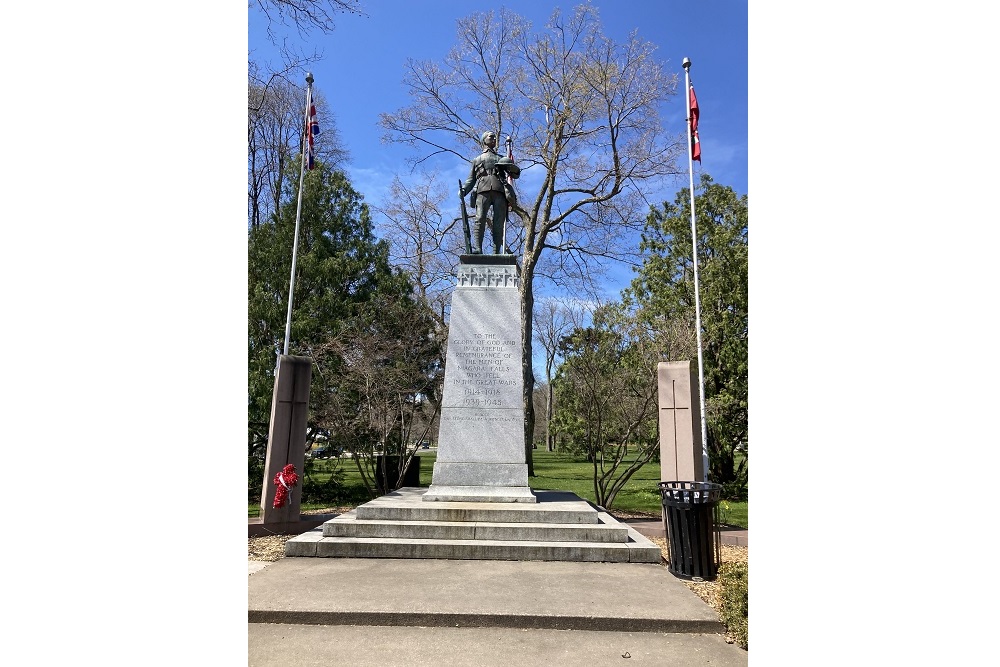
(363, 61)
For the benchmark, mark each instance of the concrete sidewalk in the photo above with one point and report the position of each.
(361, 611)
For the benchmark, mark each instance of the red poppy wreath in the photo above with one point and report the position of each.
(285, 480)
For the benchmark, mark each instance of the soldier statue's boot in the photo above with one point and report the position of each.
(498, 248)
(477, 238)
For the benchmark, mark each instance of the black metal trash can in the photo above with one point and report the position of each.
(691, 520)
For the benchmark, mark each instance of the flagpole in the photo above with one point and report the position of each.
(298, 211)
(510, 182)
(697, 298)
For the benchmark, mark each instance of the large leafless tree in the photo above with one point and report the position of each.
(584, 112)
(306, 15)
(418, 223)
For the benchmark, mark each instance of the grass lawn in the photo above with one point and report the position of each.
(563, 472)
(553, 471)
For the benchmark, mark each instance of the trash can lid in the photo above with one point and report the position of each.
(698, 486)
(690, 492)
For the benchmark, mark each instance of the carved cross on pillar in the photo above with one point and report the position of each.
(680, 442)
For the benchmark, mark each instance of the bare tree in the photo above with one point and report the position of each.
(585, 112)
(381, 379)
(553, 320)
(276, 101)
(275, 127)
(540, 396)
(422, 238)
(307, 15)
(303, 17)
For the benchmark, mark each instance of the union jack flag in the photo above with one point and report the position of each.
(311, 131)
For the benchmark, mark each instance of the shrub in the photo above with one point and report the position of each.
(733, 610)
(255, 479)
(736, 490)
(328, 491)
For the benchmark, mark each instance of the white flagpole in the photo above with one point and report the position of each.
(298, 211)
(510, 182)
(697, 298)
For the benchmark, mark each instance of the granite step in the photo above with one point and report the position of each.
(559, 527)
(348, 525)
(406, 505)
(314, 545)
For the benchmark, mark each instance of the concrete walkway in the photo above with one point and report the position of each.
(375, 611)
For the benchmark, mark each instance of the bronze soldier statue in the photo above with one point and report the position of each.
(488, 181)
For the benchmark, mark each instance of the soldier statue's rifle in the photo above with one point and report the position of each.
(465, 220)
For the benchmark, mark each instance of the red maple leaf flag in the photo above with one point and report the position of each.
(693, 112)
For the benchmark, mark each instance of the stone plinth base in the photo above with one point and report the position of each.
(480, 474)
(480, 494)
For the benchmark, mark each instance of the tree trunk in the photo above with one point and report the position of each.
(548, 417)
(527, 304)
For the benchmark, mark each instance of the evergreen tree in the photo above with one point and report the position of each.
(340, 266)
(664, 290)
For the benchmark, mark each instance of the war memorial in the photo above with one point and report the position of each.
(460, 572)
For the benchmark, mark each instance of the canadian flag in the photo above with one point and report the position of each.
(695, 142)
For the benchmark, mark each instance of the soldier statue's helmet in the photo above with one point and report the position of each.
(509, 168)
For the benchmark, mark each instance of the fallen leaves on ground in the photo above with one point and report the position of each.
(272, 547)
(267, 547)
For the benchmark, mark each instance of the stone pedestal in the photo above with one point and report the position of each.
(481, 441)
(681, 457)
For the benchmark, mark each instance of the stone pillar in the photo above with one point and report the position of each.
(286, 441)
(680, 422)
(481, 440)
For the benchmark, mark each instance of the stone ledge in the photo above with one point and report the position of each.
(348, 525)
(480, 494)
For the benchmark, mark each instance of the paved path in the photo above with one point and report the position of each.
(369, 646)
(356, 611)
